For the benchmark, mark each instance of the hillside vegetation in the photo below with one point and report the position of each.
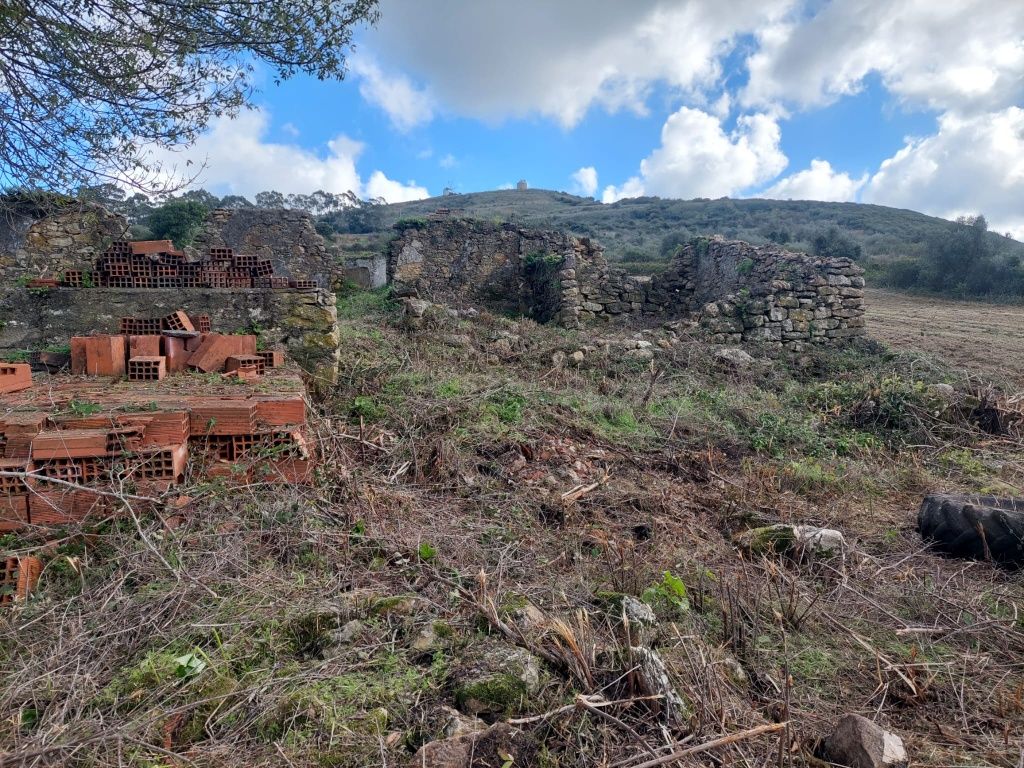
(902, 249)
(492, 494)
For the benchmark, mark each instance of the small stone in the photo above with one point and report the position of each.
(348, 632)
(558, 359)
(735, 357)
(639, 354)
(495, 678)
(577, 357)
(856, 742)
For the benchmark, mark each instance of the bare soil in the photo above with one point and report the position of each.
(985, 340)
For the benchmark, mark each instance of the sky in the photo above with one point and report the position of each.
(909, 103)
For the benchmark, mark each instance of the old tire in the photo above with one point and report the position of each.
(977, 527)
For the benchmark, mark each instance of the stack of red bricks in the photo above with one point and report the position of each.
(156, 264)
(142, 429)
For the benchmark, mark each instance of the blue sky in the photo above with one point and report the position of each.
(894, 102)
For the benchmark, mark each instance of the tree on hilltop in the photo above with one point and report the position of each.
(89, 88)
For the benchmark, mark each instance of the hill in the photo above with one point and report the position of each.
(645, 229)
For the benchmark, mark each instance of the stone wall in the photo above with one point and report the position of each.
(739, 291)
(43, 243)
(463, 262)
(288, 238)
(303, 322)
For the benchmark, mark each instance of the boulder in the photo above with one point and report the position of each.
(856, 742)
(651, 674)
(495, 678)
(782, 538)
(477, 750)
(734, 356)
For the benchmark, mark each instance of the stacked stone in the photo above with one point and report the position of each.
(788, 299)
(68, 238)
(287, 237)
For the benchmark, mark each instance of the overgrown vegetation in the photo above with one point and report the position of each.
(479, 489)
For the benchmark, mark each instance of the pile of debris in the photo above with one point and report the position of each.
(142, 412)
(157, 264)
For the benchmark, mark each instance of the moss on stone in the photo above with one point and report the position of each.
(499, 693)
(777, 539)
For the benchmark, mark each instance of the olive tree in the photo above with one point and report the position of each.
(88, 88)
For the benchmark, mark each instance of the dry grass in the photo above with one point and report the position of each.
(984, 339)
(475, 489)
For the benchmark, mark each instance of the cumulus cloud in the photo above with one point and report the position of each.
(972, 165)
(819, 182)
(406, 106)
(697, 158)
(234, 158)
(585, 181)
(961, 55)
(494, 60)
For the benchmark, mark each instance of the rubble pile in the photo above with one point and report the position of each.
(143, 411)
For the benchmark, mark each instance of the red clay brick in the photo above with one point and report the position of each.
(217, 348)
(146, 247)
(13, 512)
(144, 346)
(70, 444)
(14, 377)
(19, 578)
(280, 410)
(178, 321)
(98, 355)
(222, 417)
(147, 368)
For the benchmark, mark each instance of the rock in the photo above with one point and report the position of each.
(856, 742)
(823, 542)
(477, 749)
(453, 723)
(637, 611)
(458, 340)
(495, 678)
(735, 357)
(558, 359)
(416, 307)
(427, 640)
(639, 354)
(944, 392)
(577, 357)
(348, 632)
(652, 675)
(792, 539)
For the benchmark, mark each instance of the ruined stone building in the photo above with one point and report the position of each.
(739, 291)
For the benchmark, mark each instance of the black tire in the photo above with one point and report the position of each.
(977, 527)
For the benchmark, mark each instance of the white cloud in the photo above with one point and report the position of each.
(380, 185)
(234, 158)
(819, 182)
(972, 165)
(448, 161)
(289, 129)
(493, 60)
(697, 158)
(964, 55)
(405, 105)
(585, 181)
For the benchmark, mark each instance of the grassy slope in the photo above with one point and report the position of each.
(446, 452)
(633, 229)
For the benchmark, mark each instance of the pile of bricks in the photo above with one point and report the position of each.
(18, 578)
(123, 420)
(156, 264)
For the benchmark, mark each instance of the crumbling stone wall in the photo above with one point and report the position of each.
(463, 261)
(739, 291)
(744, 292)
(286, 237)
(302, 322)
(38, 242)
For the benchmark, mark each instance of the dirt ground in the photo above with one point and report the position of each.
(983, 339)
